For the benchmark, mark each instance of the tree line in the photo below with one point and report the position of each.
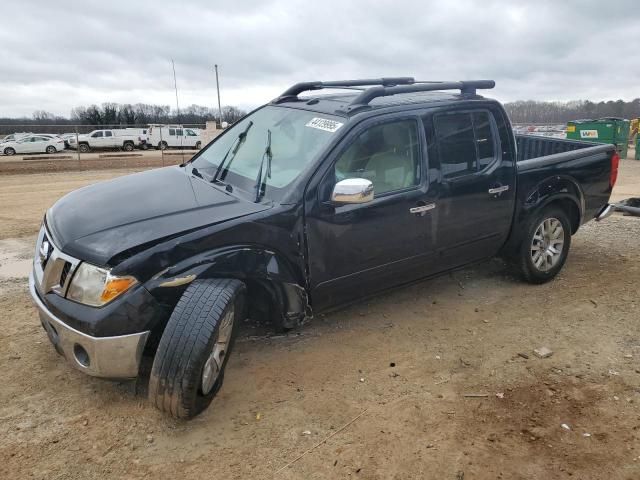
(125, 114)
(531, 111)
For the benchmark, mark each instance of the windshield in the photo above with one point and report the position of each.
(293, 138)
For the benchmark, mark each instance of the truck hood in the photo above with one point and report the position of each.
(97, 222)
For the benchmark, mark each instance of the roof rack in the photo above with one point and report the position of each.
(384, 87)
(293, 92)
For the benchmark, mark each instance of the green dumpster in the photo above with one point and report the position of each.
(637, 156)
(603, 130)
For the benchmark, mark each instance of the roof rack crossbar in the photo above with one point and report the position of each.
(467, 87)
(295, 90)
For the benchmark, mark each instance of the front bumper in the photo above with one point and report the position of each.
(111, 357)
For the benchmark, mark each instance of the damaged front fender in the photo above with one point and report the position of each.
(274, 286)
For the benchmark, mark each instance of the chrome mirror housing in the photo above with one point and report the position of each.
(352, 190)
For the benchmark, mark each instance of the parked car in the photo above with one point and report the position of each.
(103, 139)
(174, 136)
(13, 137)
(33, 144)
(306, 204)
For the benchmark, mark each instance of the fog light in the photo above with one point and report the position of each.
(81, 355)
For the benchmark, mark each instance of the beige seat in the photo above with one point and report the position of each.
(393, 168)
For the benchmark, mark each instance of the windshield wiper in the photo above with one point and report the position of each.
(235, 147)
(261, 181)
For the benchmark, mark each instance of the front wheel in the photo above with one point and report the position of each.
(545, 246)
(188, 368)
(84, 148)
(9, 151)
(198, 145)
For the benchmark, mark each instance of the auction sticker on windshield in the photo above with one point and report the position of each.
(324, 124)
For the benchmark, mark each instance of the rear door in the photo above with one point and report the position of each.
(477, 183)
(109, 140)
(356, 250)
(172, 140)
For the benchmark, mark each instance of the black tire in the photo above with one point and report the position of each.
(128, 147)
(51, 149)
(176, 380)
(198, 145)
(162, 145)
(9, 151)
(144, 146)
(84, 148)
(525, 259)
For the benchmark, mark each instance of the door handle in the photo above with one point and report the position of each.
(498, 190)
(421, 209)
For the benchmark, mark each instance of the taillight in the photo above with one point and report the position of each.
(615, 162)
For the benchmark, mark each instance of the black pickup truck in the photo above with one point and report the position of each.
(308, 203)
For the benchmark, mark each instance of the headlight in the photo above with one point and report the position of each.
(96, 286)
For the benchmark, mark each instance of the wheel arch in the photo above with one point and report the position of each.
(560, 191)
(275, 289)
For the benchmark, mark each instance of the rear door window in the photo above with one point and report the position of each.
(465, 142)
(456, 145)
(108, 134)
(484, 139)
(179, 132)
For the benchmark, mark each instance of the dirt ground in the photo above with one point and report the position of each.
(376, 391)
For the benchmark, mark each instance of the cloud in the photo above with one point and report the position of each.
(57, 55)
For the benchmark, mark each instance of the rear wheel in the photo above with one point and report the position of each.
(128, 147)
(188, 368)
(546, 245)
(51, 149)
(9, 151)
(84, 148)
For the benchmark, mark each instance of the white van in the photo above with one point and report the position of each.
(173, 136)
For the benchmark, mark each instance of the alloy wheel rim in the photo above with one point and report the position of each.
(547, 244)
(213, 366)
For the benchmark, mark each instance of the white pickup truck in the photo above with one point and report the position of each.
(99, 139)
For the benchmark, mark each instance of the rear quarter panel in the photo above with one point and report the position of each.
(582, 180)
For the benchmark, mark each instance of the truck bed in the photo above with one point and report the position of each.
(535, 146)
(572, 165)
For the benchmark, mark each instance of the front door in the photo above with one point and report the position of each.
(477, 188)
(356, 250)
(97, 139)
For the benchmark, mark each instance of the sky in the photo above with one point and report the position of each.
(56, 55)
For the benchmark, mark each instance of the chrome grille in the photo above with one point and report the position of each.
(51, 267)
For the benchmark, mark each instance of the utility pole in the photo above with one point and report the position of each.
(175, 85)
(218, 88)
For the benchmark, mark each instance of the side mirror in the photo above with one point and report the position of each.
(352, 190)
